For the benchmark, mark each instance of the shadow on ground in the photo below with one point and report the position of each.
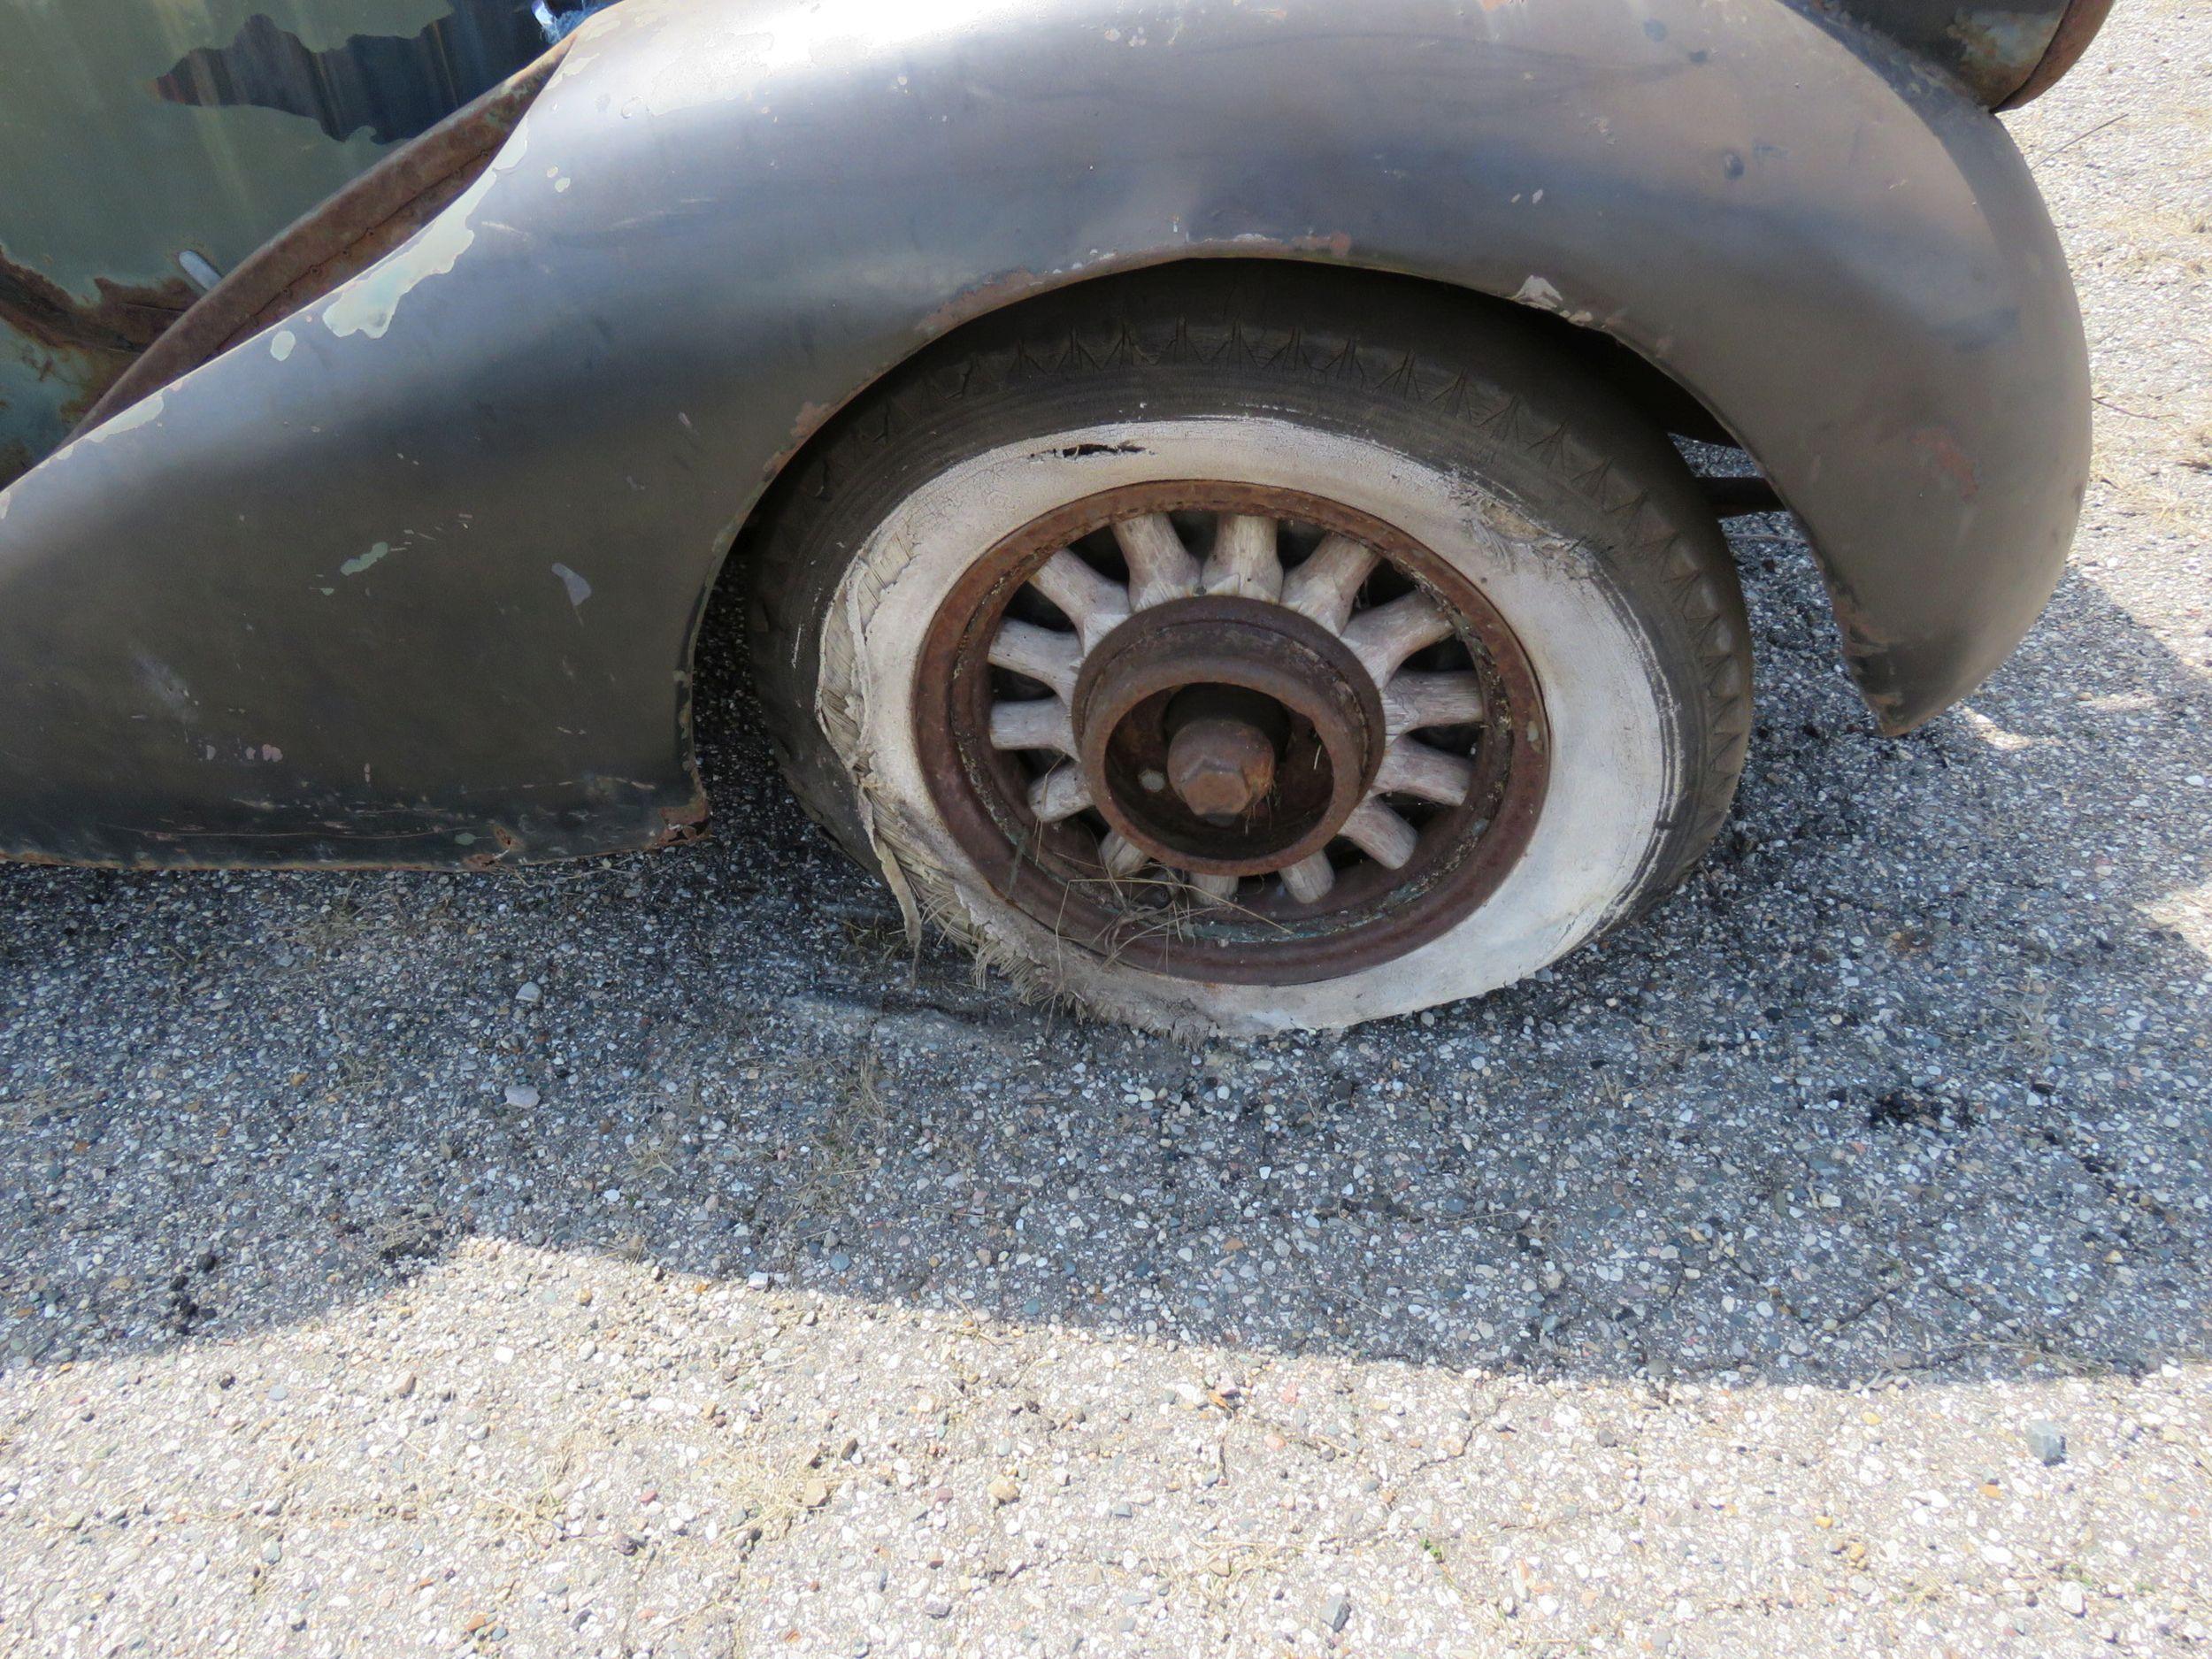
(1911, 1076)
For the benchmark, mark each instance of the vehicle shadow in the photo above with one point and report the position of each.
(1911, 1076)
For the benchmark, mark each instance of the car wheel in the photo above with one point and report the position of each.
(1244, 648)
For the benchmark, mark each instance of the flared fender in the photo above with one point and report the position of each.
(413, 575)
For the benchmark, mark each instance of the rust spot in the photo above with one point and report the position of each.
(683, 823)
(508, 842)
(813, 419)
(1860, 635)
(44, 861)
(1942, 452)
(126, 318)
(89, 344)
(985, 297)
(1866, 652)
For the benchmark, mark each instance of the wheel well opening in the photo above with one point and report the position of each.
(722, 739)
(1665, 401)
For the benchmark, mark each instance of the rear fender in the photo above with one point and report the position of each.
(412, 575)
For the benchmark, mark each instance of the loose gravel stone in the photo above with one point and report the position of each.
(2046, 1441)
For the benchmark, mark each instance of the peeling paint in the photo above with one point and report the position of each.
(282, 342)
(124, 420)
(376, 214)
(1336, 244)
(813, 417)
(1537, 292)
(368, 305)
(355, 567)
(579, 589)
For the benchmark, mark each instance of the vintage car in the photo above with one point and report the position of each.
(1205, 474)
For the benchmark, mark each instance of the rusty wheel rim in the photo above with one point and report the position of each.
(1112, 668)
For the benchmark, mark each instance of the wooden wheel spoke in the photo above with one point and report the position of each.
(1044, 654)
(1121, 856)
(1161, 568)
(1244, 562)
(1310, 880)
(1381, 834)
(1383, 638)
(1327, 585)
(1039, 723)
(1090, 601)
(1060, 794)
(1412, 768)
(1414, 700)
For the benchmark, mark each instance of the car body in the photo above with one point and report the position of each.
(391, 548)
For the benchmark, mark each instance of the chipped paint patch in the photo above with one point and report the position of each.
(367, 303)
(355, 567)
(281, 343)
(123, 420)
(1539, 293)
(579, 589)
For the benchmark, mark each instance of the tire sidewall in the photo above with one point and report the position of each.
(1588, 623)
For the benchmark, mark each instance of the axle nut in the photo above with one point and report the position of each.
(1222, 768)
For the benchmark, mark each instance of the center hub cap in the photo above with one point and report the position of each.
(1225, 735)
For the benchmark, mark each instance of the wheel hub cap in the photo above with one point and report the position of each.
(1230, 733)
(1265, 726)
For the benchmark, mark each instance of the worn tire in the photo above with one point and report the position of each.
(1454, 418)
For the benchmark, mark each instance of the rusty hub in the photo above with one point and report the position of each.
(1255, 706)
(1232, 733)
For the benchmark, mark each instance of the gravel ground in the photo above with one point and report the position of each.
(655, 1257)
